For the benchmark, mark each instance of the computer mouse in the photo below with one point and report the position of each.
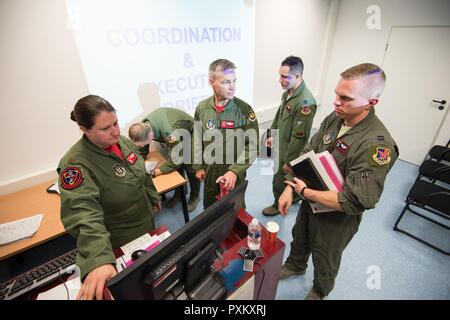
(137, 254)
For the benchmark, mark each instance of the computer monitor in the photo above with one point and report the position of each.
(184, 259)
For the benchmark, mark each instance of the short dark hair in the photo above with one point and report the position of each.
(87, 108)
(295, 65)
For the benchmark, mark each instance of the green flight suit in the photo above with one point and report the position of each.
(237, 117)
(164, 123)
(364, 155)
(106, 202)
(293, 120)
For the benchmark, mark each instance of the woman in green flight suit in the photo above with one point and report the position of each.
(107, 199)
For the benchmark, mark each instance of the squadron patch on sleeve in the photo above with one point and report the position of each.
(382, 155)
(306, 110)
(252, 116)
(71, 178)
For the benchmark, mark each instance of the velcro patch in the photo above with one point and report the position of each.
(227, 124)
(341, 146)
(306, 110)
(71, 178)
(132, 158)
(381, 156)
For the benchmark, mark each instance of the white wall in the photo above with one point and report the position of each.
(354, 43)
(41, 76)
(285, 27)
(40, 79)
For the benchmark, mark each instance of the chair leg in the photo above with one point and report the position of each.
(396, 228)
(400, 217)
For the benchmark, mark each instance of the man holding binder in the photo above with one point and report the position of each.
(293, 121)
(364, 152)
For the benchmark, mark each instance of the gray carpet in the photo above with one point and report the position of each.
(379, 263)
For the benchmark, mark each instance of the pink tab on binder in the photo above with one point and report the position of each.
(332, 170)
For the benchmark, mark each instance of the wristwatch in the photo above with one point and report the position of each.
(302, 193)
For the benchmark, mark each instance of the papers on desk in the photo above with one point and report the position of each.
(19, 229)
(145, 242)
(54, 188)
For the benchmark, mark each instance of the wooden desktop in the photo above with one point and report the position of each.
(36, 200)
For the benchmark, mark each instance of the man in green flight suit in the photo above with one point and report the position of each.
(107, 198)
(293, 121)
(164, 125)
(225, 134)
(364, 152)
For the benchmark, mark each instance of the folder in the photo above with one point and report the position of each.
(307, 171)
(319, 172)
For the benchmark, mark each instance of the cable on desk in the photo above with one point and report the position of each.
(64, 283)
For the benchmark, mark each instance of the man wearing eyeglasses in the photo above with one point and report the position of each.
(293, 121)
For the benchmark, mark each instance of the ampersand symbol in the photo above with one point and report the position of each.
(187, 61)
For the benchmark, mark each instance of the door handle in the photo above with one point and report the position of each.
(441, 107)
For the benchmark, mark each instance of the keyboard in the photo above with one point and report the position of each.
(39, 276)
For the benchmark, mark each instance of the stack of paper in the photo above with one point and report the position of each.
(19, 229)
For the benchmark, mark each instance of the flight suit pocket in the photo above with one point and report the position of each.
(298, 129)
(286, 127)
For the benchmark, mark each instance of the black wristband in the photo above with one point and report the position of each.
(302, 193)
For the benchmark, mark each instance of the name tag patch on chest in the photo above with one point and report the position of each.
(132, 158)
(227, 124)
(71, 178)
(119, 170)
(341, 146)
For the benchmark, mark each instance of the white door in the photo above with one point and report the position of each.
(417, 66)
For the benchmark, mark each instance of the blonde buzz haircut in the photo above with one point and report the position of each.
(373, 75)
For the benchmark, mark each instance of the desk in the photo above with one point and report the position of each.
(34, 200)
(267, 270)
(28, 202)
(167, 182)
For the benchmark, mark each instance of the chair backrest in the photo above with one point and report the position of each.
(439, 153)
(435, 171)
(425, 193)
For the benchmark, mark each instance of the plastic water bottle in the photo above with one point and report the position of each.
(254, 234)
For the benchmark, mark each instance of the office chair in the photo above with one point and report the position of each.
(432, 198)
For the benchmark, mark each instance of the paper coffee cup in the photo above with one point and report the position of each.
(272, 230)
